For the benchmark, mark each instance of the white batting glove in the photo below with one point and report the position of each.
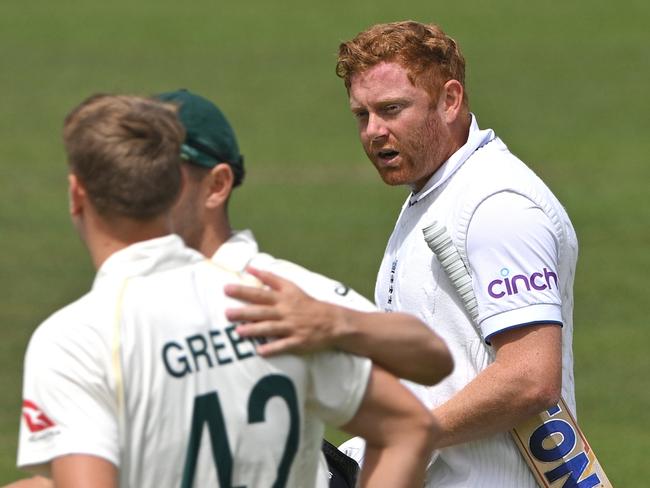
(354, 448)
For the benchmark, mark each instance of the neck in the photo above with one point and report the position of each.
(215, 233)
(107, 236)
(462, 132)
(459, 132)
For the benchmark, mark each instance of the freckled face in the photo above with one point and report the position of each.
(400, 127)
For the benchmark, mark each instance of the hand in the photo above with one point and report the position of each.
(296, 322)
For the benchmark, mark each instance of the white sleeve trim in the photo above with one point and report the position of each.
(39, 463)
(540, 313)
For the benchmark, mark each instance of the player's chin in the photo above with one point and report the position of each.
(393, 176)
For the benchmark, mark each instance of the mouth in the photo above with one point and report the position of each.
(387, 155)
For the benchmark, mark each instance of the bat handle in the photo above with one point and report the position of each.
(438, 240)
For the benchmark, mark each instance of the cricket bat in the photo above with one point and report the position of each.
(552, 443)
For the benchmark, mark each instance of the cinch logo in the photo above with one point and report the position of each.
(35, 418)
(511, 286)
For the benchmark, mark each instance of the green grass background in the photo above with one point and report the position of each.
(563, 83)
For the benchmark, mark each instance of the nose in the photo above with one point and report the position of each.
(376, 128)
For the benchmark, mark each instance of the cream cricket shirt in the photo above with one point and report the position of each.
(146, 372)
(241, 250)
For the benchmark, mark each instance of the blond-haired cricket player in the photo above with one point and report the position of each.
(144, 381)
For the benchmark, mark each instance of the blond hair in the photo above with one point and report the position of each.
(125, 151)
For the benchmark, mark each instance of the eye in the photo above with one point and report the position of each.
(360, 114)
(392, 109)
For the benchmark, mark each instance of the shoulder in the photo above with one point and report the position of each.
(494, 166)
(500, 186)
(510, 228)
(71, 342)
(67, 321)
(507, 215)
(314, 284)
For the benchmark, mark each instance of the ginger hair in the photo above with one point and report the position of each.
(429, 55)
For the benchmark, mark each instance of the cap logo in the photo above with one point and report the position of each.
(188, 152)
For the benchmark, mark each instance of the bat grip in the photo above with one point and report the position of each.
(440, 243)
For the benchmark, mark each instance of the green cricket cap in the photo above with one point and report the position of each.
(209, 138)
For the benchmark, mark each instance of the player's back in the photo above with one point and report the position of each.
(198, 407)
(145, 371)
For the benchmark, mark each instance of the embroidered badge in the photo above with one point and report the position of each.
(34, 417)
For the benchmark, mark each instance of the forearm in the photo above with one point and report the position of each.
(496, 401)
(396, 470)
(34, 482)
(398, 342)
(83, 471)
(399, 432)
(524, 380)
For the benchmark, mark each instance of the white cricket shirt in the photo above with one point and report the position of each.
(146, 372)
(521, 252)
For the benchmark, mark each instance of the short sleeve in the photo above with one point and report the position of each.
(338, 383)
(513, 254)
(68, 406)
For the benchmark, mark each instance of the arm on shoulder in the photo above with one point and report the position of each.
(400, 343)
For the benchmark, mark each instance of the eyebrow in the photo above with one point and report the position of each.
(391, 101)
(384, 102)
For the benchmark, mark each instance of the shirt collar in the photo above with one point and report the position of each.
(236, 252)
(147, 256)
(475, 140)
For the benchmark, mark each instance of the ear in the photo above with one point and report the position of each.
(221, 180)
(451, 100)
(76, 196)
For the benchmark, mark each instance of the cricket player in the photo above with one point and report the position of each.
(213, 168)
(144, 381)
(406, 87)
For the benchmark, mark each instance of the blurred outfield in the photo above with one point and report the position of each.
(563, 83)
